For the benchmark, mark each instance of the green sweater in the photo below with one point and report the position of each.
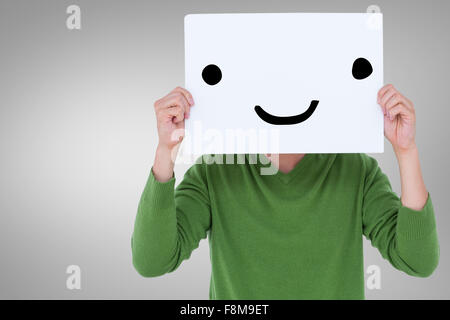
(284, 236)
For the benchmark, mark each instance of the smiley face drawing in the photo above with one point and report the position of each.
(361, 69)
(313, 77)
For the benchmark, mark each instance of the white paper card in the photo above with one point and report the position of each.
(289, 83)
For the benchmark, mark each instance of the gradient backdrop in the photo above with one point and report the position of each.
(78, 135)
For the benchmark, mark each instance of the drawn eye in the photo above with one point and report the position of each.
(361, 69)
(212, 74)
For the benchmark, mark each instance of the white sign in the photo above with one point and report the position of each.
(284, 83)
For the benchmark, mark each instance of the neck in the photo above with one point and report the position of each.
(285, 162)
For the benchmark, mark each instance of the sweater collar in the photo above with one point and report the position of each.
(308, 163)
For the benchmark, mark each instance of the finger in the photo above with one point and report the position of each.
(383, 90)
(186, 104)
(386, 97)
(175, 114)
(170, 112)
(170, 100)
(393, 101)
(178, 115)
(176, 98)
(173, 100)
(399, 109)
(187, 113)
(186, 94)
(389, 110)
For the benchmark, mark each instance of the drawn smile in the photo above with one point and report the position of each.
(269, 118)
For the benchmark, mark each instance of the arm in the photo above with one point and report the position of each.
(170, 223)
(406, 237)
(403, 230)
(399, 128)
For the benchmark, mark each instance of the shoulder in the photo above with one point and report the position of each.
(356, 158)
(210, 164)
(357, 162)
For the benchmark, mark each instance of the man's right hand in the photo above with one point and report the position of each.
(171, 110)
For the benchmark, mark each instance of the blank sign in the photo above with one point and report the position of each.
(284, 83)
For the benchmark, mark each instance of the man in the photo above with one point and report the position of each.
(293, 235)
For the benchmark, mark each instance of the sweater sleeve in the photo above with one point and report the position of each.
(406, 238)
(170, 223)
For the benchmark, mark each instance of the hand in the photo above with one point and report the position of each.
(399, 118)
(171, 111)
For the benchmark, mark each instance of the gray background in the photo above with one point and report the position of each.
(78, 135)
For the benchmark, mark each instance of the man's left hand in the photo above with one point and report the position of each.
(399, 118)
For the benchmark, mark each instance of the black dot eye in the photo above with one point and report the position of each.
(361, 69)
(212, 74)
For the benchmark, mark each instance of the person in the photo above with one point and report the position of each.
(296, 234)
